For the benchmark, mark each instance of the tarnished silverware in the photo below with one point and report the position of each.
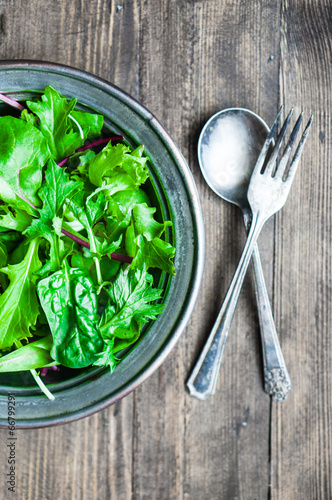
(267, 193)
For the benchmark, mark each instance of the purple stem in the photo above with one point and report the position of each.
(75, 238)
(91, 145)
(11, 102)
(113, 255)
(44, 370)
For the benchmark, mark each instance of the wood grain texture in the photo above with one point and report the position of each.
(185, 60)
(301, 429)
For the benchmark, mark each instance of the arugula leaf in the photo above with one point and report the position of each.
(19, 306)
(154, 253)
(56, 189)
(145, 224)
(88, 214)
(143, 241)
(69, 301)
(23, 152)
(14, 218)
(28, 357)
(53, 112)
(129, 305)
(107, 357)
(119, 169)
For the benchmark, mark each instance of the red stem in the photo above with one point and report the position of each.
(113, 255)
(91, 145)
(11, 102)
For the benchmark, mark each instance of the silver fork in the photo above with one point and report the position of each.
(267, 193)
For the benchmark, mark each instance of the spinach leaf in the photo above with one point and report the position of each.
(28, 357)
(19, 306)
(10, 239)
(69, 301)
(23, 152)
(129, 305)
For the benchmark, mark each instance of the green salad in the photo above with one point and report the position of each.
(78, 240)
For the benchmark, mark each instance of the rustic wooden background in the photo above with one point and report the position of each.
(185, 60)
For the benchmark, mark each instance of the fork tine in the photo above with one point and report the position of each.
(298, 152)
(273, 158)
(262, 155)
(285, 157)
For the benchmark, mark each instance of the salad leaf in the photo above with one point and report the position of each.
(69, 301)
(14, 218)
(91, 123)
(143, 240)
(56, 189)
(23, 152)
(154, 253)
(30, 356)
(119, 169)
(76, 240)
(3, 255)
(107, 357)
(53, 111)
(129, 305)
(19, 306)
(88, 213)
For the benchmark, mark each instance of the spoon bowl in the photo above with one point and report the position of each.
(228, 148)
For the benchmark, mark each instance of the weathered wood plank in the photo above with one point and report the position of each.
(301, 428)
(193, 64)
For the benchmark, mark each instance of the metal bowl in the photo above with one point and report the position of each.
(79, 394)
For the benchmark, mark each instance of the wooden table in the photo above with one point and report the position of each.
(185, 60)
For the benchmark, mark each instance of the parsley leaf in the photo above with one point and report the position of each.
(129, 304)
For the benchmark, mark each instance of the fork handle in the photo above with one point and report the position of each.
(203, 379)
(276, 378)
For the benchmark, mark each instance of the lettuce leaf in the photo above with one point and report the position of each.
(23, 153)
(19, 306)
(118, 168)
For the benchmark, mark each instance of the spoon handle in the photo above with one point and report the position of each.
(203, 379)
(276, 378)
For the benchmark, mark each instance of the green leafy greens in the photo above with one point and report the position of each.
(76, 241)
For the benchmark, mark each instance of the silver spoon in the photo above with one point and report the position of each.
(228, 148)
